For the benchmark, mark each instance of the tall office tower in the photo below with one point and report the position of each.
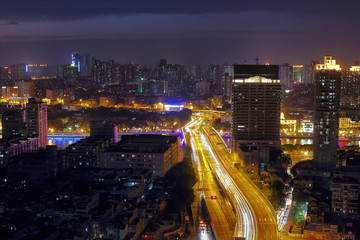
(327, 103)
(256, 99)
(255, 110)
(298, 74)
(226, 80)
(18, 71)
(350, 88)
(69, 74)
(76, 60)
(286, 76)
(14, 123)
(36, 118)
(82, 62)
(214, 77)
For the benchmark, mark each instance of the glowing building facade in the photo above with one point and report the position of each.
(327, 103)
(255, 112)
(256, 96)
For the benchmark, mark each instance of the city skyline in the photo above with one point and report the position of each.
(188, 33)
(160, 119)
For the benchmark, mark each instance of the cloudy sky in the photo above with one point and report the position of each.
(186, 31)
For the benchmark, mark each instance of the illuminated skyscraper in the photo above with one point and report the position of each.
(327, 103)
(255, 111)
(76, 60)
(82, 62)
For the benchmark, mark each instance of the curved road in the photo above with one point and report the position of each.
(255, 216)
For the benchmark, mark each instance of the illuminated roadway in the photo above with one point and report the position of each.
(255, 216)
(220, 210)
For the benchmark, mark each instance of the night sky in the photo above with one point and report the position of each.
(186, 31)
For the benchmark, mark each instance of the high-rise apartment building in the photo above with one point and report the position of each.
(14, 123)
(286, 76)
(26, 88)
(345, 195)
(130, 73)
(309, 73)
(106, 72)
(195, 71)
(24, 130)
(327, 103)
(255, 109)
(162, 70)
(36, 118)
(69, 74)
(226, 81)
(4, 75)
(298, 74)
(350, 88)
(18, 71)
(214, 77)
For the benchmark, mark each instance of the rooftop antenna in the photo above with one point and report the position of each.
(257, 60)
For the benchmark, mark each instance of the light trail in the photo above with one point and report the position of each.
(284, 214)
(264, 214)
(255, 216)
(246, 225)
(206, 186)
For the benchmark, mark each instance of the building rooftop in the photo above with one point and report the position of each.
(39, 155)
(256, 69)
(143, 143)
(7, 142)
(89, 141)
